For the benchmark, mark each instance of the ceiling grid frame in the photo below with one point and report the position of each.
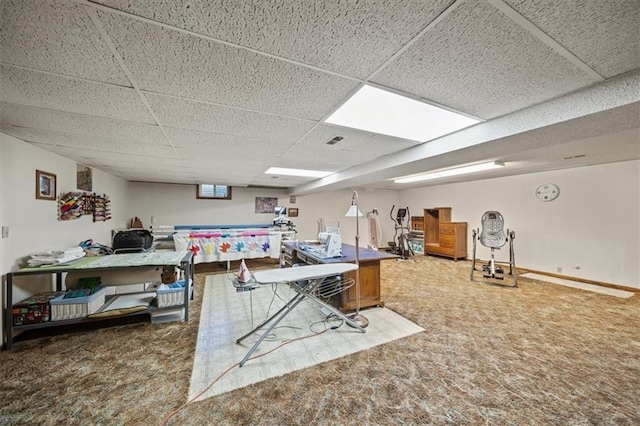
(93, 15)
(544, 37)
(346, 167)
(213, 39)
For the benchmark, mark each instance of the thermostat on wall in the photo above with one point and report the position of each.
(548, 192)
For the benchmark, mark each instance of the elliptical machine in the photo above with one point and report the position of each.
(401, 246)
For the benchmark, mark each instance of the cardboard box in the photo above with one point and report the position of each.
(35, 309)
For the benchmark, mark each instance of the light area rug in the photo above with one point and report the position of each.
(583, 286)
(227, 315)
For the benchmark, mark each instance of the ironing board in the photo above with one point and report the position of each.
(314, 275)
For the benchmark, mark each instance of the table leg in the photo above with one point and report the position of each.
(9, 312)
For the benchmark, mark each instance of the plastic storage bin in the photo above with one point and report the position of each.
(78, 307)
(170, 294)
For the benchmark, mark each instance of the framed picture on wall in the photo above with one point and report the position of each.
(45, 185)
(266, 204)
(293, 212)
(84, 178)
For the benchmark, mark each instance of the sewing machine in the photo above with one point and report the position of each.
(281, 218)
(330, 244)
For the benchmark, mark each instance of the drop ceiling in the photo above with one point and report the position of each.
(195, 91)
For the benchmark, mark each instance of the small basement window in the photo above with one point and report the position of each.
(213, 192)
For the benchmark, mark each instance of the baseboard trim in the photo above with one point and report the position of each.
(520, 270)
(582, 280)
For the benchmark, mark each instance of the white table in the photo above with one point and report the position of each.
(314, 275)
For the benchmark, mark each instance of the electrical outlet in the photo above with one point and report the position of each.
(5, 232)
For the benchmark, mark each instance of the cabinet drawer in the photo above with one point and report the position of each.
(304, 259)
(447, 228)
(439, 250)
(447, 241)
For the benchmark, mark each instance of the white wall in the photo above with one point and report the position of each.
(173, 204)
(33, 224)
(591, 230)
(177, 205)
(593, 225)
(332, 206)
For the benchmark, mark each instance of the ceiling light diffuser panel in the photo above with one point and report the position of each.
(297, 172)
(450, 172)
(379, 111)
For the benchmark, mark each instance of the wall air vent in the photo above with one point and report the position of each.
(335, 140)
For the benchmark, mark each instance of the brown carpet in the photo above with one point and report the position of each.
(538, 354)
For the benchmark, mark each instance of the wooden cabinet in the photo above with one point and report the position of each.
(443, 237)
(369, 288)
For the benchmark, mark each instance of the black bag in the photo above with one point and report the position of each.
(133, 240)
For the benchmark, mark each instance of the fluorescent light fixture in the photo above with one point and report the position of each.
(450, 172)
(296, 172)
(387, 113)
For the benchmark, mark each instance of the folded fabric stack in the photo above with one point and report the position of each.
(54, 257)
(95, 249)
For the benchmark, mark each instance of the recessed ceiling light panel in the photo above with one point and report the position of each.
(379, 111)
(297, 172)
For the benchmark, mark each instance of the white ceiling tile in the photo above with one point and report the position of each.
(20, 86)
(101, 144)
(604, 34)
(236, 157)
(135, 161)
(48, 119)
(473, 57)
(372, 144)
(478, 61)
(170, 62)
(16, 132)
(352, 38)
(56, 36)
(230, 145)
(282, 181)
(320, 158)
(186, 114)
(231, 149)
(356, 148)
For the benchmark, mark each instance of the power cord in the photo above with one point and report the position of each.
(192, 400)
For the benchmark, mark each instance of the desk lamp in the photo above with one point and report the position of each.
(353, 211)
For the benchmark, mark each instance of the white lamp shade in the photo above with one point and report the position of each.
(353, 211)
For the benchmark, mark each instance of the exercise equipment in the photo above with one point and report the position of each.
(400, 245)
(494, 237)
(374, 229)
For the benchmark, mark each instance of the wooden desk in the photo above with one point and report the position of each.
(369, 261)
